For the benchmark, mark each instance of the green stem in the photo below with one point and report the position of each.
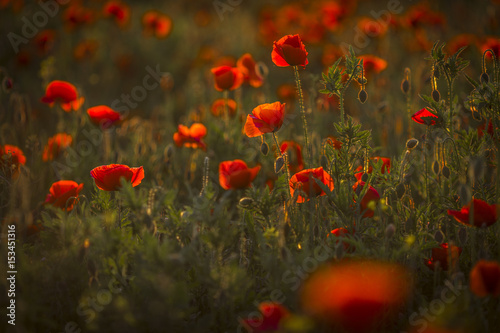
(285, 159)
(341, 107)
(424, 150)
(302, 112)
(450, 97)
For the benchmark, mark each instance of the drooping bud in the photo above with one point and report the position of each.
(278, 164)
(411, 143)
(362, 96)
(446, 172)
(246, 202)
(405, 86)
(264, 148)
(485, 78)
(435, 167)
(436, 96)
(390, 230)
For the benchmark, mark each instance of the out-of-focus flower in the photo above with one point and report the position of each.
(56, 145)
(75, 15)
(295, 161)
(217, 108)
(11, 158)
(421, 15)
(118, 10)
(236, 174)
(44, 41)
(248, 67)
(61, 192)
(444, 256)
(371, 27)
(103, 116)
(227, 78)
(86, 49)
(485, 278)
(340, 233)
(460, 41)
(304, 182)
(108, 177)
(489, 130)
(483, 213)
(286, 92)
(156, 24)
(272, 314)
(372, 64)
(425, 117)
(265, 118)
(289, 51)
(370, 195)
(491, 43)
(191, 137)
(63, 93)
(386, 166)
(356, 296)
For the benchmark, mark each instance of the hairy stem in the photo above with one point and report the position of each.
(302, 112)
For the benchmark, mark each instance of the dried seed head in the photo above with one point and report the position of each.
(485, 78)
(390, 230)
(246, 202)
(446, 172)
(411, 143)
(436, 96)
(435, 167)
(264, 148)
(405, 86)
(362, 96)
(324, 161)
(278, 164)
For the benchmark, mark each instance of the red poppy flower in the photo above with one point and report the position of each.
(119, 10)
(236, 174)
(13, 153)
(331, 13)
(370, 195)
(336, 144)
(373, 64)
(85, 49)
(76, 15)
(460, 41)
(289, 51)
(107, 177)
(420, 15)
(286, 92)
(492, 43)
(44, 41)
(56, 145)
(372, 28)
(156, 24)
(424, 117)
(265, 118)
(304, 181)
(484, 214)
(356, 296)
(386, 166)
(485, 278)
(191, 137)
(103, 116)
(482, 127)
(295, 161)
(217, 108)
(272, 314)
(64, 93)
(61, 192)
(444, 256)
(341, 233)
(248, 68)
(227, 78)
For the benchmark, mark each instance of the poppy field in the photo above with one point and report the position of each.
(250, 166)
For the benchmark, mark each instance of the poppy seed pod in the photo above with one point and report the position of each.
(485, 78)
(362, 96)
(436, 96)
(405, 86)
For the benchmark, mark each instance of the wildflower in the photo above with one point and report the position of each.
(484, 214)
(248, 68)
(425, 117)
(341, 233)
(289, 51)
(385, 168)
(156, 24)
(61, 192)
(372, 28)
(356, 295)
(295, 161)
(64, 93)
(191, 137)
(76, 15)
(118, 10)
(56, 145)
(44, 41)
(103, 116)
(217, 108)
(304, 182)
(85, 49)
(236, 174)
(485, 278)
(373, 64)
(272, 314)
(444, 256)
(107, 177)
(265, 118)
(16, 155)
(491, 43)
(370, 195)
(227, 78)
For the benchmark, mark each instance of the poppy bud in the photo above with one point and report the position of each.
(390, 230)
(362, 96)
(264, 148)
(364, 177)
(7, 84)
(246, 202)
(324, 161)
(446, 171)
(435, 167)
(485, 78)
(278, 164)
(405, 86)
(436, 96)
(167, 153)
(411, 143)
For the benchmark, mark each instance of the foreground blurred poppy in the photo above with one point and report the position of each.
(56, 145)
(191, 137)
(265, 118)
(444, 256)
(64, 93)
(425, 117)
(248, 68)
(156, 24)
(295, 161)
(227, 78)
(386, 166)
(119, 10)
(103, 116)
(370, 195)
(304, 182)
(217, 108)
(289, 51)
(485, 278)
(107, 177)
(489, 130)
(236, 174)
(356, 295)
(484, 214)
(61, 192)
(272, 314)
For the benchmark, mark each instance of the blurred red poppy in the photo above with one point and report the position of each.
(287, 92)
(489, 130)
(356, 296)
(491, 43)
(85, 49)
(191, 137)
(485, 278)
(304, 182)
(265, 118)
(156, 24)
(272, 314)
(295, 161)
(76, 15)
(64, 93)
(56, 145)
(61, 192)
(421, 15)
(217, 108)
(107, 177)
(372, 64)
(248, 67)
(370, 195)
(371, 27)
(12, 153)
(289, 51)
(484, 214)
(341, 233)
(386, 166)
(425, 117)
(236, 174)
(103, 116)
(444, 256)
(118, 10)
(44, 41)
(227, 78)
(336, 144)
(460, 41)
